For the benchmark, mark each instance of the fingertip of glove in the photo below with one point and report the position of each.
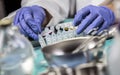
(36, 38)
(78, 31)
(74, 23)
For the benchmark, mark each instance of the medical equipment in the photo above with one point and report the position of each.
(64, 31)
(75, 50)
(60, 32)
(16, 52)
(96, 41)
(62, 61)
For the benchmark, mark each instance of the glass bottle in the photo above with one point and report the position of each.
(16, 52)
(114, 55)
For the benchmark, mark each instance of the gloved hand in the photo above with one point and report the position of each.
(29, 20)
(92, 17)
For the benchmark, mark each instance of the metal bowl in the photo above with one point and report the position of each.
(61, 53)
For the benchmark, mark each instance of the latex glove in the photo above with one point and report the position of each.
(90, 17)
(29, 20)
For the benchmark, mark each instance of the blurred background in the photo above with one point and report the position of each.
(7, 6)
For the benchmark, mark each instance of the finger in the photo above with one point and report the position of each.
(34, 36)
(27, 15)
(104, 26)
(28, 31)
(86, 22)
(38, 18)
(21, 29)
(23, 11)
(96, 23)
(16, 18)
(80, 15)
(39, 15)
(36, 27)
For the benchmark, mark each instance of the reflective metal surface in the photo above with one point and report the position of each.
(61, 53)
(64, 47)
(74, 51)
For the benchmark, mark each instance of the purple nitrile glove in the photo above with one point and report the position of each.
(91, 17)
(29, 20)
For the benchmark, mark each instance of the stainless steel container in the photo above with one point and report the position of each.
(61, 53)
